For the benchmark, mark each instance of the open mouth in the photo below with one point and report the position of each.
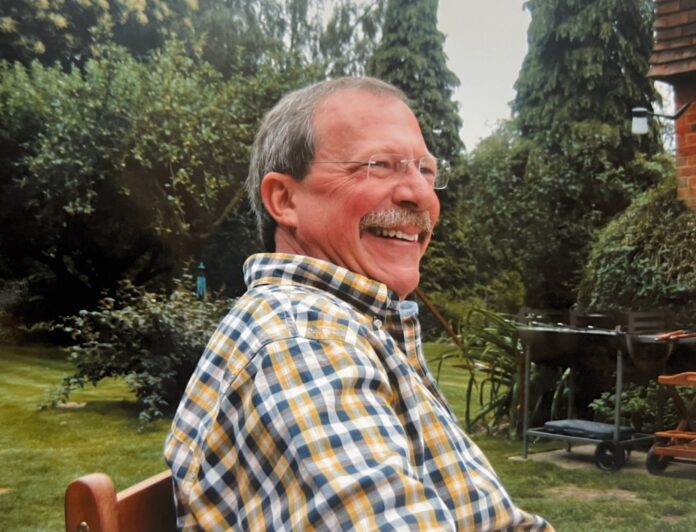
(393, 233)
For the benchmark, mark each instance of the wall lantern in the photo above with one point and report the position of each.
(639, 124)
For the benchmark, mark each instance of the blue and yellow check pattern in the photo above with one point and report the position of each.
(312, 408)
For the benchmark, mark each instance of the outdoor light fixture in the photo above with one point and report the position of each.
(639, 124)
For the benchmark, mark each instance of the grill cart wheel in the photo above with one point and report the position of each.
(655, 463)
(610, 456)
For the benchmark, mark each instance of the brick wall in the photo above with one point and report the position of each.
(685, 130)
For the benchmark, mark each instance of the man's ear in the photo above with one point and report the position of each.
(277, 194)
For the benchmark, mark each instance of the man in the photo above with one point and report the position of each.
(312, 407)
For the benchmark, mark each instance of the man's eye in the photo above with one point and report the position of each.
(380, 163)
(428, 170)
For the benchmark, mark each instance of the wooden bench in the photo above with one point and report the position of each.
(92, 505)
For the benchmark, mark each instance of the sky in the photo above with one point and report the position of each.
(486, 41)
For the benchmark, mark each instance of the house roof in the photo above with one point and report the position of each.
(674, 51)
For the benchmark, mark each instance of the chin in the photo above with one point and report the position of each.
(403, 287)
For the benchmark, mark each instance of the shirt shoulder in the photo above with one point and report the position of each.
(269, 313)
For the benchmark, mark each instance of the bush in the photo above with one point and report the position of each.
(645, 259)
(152, 340)
(639, 407)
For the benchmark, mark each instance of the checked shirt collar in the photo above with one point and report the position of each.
(366, 295)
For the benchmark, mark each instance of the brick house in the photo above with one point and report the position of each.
(674, 61)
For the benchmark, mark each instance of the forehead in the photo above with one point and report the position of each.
(352, 117)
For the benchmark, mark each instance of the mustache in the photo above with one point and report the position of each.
(398, 217)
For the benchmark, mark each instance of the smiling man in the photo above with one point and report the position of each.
(312, 407)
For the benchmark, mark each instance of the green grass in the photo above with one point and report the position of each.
(42, 450)
(663, 503)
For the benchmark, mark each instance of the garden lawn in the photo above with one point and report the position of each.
(42, 450)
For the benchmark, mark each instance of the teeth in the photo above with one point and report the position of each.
(391, 233)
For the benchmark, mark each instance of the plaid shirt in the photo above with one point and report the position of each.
(312, 408)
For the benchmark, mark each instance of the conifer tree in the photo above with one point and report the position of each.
(585, 69)
(586, 61)
(411, 56)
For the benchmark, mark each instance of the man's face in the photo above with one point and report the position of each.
(334, 198)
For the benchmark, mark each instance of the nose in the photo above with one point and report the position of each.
(413, 190)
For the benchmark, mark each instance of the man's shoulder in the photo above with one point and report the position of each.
(272, 313)
(293, 302)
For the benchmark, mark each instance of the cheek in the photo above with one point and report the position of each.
(435, 210)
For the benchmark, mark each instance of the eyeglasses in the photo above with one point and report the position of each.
(383, 165)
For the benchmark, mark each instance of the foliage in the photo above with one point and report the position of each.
(494, 213)
(235, 36)
(492, 343)
(586, 61)
(645, 259)
(640, 407)
(122, 171)
(411, 56)
(350, 37)
(568, 163)
(493, 356)
(151, 339)
(62, 31)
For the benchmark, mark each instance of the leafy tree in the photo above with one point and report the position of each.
(151, 339)
(585, 69)
(237, 36)
(123, 171)
(494, 214)
(62, 31)
(586, 61)
(234, 36)
(350, 37)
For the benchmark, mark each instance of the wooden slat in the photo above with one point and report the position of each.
(680, 18)
(91, 503)
(666, 7)
(687, 378)
(678, 451)
(148, 506)
(672, 44)
(673, 56)
(676, 434)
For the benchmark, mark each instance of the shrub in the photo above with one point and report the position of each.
(645, 258)
(152, 340)
(639, 407)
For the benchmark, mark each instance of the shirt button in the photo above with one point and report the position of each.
(377, 323)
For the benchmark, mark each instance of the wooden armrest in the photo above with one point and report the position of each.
(92, 505)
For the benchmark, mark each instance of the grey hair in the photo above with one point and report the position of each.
(285, 141)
